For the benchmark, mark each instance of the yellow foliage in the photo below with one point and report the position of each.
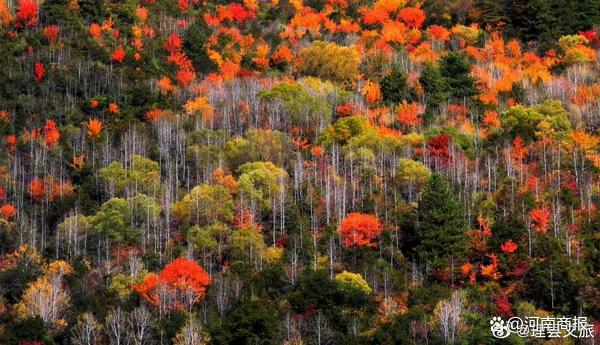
(330, 61)
(47, 299)
(59, 267)
(273, 254)
(199, 106)
(413, 139)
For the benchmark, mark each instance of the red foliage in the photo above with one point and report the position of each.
(235, 12)
(358, 229)
(457, 110)
(118, 54)
(50, 32)
(11, 142)
(592, 36)
(442, 274)
(181, 282)
(540, 220)
(439, 149)
(2, 194)
(183, 5)
(345, 109)
(173, 43)
(39, 71)
(509, 247)
(519, 271)
(27, 13)
(503, 306)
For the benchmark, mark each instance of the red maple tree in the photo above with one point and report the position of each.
(359, 230)
(27, 13)
(180, 284)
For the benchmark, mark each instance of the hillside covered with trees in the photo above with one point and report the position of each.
(297, 172)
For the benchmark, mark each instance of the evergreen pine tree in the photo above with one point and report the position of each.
(394, 86)
(433, 84)
(441, 228)
(456, 69)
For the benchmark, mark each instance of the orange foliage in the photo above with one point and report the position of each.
(519, 150)
(374, 16)
(78, 162)
(11, 142)
(5, 15)
(360, 230)
(229, 70)
(283, 54)
(51, 133)
(371, 92)
(394, 32)
(540, 220)
(94, 128)
(413, 17)
(142, 14)
(424, 53)
(408, 114)
(226, 181)
(7, 211)
(490, 119)
(153, 114)
(439, 33)
(95, 30)
(165, 85)
(37, 190)
(317, 151)
(491, 271)
(113, 108)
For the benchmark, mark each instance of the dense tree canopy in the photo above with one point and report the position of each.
(186, 172)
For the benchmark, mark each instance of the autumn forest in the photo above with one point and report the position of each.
(298, 172)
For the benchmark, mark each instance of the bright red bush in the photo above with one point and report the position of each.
(359, 230)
